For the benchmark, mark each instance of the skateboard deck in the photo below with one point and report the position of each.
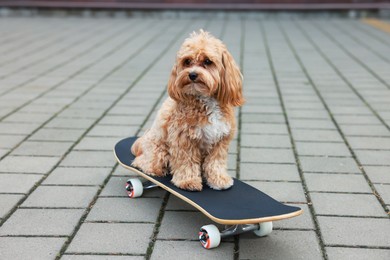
(240, 204)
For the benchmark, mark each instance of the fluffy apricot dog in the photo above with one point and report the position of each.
(191, 134)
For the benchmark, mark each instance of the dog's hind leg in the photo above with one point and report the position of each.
(151, 155)
(136, 149)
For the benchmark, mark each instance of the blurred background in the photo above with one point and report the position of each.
(377, 6)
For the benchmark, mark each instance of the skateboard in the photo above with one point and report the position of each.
(242, 207)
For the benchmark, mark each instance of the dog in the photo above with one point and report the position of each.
(191, 133)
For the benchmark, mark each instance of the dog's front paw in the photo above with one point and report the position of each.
(220, 182)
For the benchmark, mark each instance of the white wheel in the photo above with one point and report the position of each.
(134, 188)
(209, 236)
(265, 229)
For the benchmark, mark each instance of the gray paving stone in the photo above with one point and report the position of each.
(18, 183)
(112, 238)
(314, 114)
(384, 192)
(10, 141)
(129, 99)
(311, 124)
(281, 191)
(95, 101)
(302, 222)
(17, 128)
(7, 202)
(26, 164)
(233, 147)
(101, 257)
(357, 253)
(33, 247)
(373, 157)
(281, 245)
(55, 222)
(271, 172)
(42, 148)
(232, 162)
(322, 149)
(70, 123)
(182, 225)
(264, 155)
(357, 119)
(352, 110)
(131, 110)
(190, 250)
(355, 231)
(337, 182)
(81, 113)
(125, 209)
(365, 130)
(77, 176)
(89, 159)
(20, 117)
(278, 141)
(315, 105)
(97, 143)
(262, 128)
(3, 152)
(369, 142)
(249, 108)
(252, 95)
(316, 135)
(113, 131)
(262, 118)
(53, 99)
(61, 197)
(328, 164)
(378, 174)
(363, 205)
(53, 134)
(122, 120)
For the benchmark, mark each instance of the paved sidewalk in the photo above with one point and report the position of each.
(315, 132)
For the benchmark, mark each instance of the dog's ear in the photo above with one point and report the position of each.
(230, 89)
(173, 90)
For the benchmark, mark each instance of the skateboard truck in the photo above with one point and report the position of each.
(239, 229)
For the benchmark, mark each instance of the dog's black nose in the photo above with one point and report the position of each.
(193, 75)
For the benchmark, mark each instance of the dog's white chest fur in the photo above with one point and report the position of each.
(217, 127)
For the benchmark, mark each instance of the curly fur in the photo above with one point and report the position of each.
(191, 134)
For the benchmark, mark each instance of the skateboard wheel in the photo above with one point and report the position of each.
(264, 229)
(209, 236)
(134, 188)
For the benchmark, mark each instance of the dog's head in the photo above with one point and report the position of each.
(205, 68)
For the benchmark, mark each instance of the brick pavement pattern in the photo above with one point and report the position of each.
(315, 132)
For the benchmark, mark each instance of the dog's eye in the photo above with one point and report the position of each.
(207, 62)
(187, 62)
